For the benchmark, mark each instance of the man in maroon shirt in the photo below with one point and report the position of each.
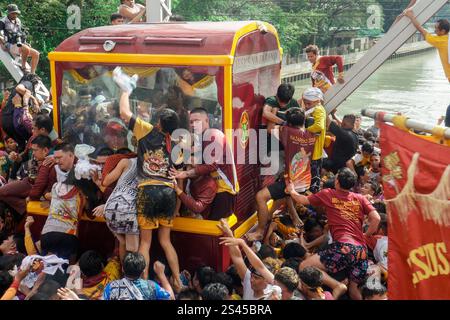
(322, 75)
(345, 212)
(38, 183)
(298, 145)
(198, 195)
(218, 167)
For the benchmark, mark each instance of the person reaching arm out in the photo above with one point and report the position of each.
(290, 189)
(235, 253)
(158, 267)
(410, 14)
(234, 244)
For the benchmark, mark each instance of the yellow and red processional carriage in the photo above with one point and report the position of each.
(228, 68)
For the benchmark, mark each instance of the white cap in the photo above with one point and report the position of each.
(313, 94)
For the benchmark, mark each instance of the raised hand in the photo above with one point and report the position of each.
(99, 211)
(230, 241)
(225, 228)
(67, 294)
(28, 222)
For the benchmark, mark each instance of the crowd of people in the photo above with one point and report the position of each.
(311, 236)
(324, 236)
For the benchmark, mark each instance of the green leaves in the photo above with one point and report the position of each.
(299, 22)
(46, 20)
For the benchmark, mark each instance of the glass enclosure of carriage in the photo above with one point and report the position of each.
(88, 99)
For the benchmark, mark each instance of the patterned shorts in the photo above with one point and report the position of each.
(340, 256)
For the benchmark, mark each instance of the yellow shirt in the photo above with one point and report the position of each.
(319, 127)
(441, 43)
(112, 273)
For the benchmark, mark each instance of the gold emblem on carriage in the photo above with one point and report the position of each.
(244, 122)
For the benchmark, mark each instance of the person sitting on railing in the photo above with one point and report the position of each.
(439, 41)
(14, 38)
(322, 68)
(131, 11)
(299, 145)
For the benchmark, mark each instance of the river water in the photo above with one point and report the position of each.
(414, 85)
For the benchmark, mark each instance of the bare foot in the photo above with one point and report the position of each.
(339, 291)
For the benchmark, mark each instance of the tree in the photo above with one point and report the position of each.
(333, 16)
(291, 26)
(45, 22)
(391, 10)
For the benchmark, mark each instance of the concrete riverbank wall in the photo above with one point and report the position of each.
(301, 71)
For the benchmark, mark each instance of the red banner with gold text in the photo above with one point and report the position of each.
(416, 181)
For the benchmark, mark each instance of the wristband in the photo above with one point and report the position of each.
(15, 284)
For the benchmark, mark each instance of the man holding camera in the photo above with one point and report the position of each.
(12, 36)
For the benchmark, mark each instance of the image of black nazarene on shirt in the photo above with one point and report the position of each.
(154, 148)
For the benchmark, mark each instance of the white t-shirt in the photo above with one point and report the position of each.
(380, 251)
(246, 285)
(358, 158)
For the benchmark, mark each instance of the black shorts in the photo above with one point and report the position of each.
(156, 201)
(62, 244)
(276, 190)
(222, 206)
(333, 165)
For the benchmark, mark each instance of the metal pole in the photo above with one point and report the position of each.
(158, 10)
(380, 52)
(410, 124)
(153, 10)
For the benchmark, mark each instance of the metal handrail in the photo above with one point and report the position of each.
(409, 123)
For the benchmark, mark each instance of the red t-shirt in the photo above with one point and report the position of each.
(326, 64)
(345, 213)
(298, 147)
(217, 161)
